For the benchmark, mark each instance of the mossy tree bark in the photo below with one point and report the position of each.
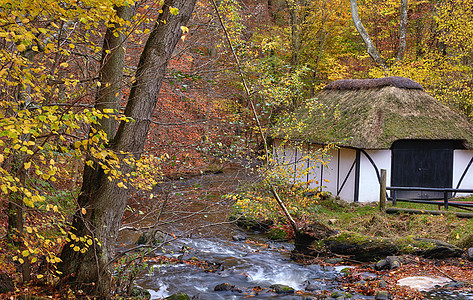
(103, 200)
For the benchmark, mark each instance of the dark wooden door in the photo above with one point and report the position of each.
(422, 164)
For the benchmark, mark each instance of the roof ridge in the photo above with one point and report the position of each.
(358, 84)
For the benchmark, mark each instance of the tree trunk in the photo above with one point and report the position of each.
(103, 200)
(402, 31)
(371, 48)
(99, 218)
(295, 25)
(111, 72)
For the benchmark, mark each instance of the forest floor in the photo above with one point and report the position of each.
(364, 279)
(366, 219)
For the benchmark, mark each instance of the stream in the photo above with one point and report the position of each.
(246, 260)
(243, 265)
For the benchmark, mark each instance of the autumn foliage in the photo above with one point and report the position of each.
(49, 77)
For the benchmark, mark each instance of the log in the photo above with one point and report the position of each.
(393, 210)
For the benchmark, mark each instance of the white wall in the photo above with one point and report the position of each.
(461, 158)
(330, 177)
(328, 173)
(347, 157)
(332, 174)
(369, 184)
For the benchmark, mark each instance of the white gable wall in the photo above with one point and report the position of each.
(369, 184)
(347, 157)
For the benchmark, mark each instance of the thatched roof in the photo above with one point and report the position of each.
(364, 84)
(373, 113)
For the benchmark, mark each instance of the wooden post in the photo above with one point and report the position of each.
(445, 200)
(382, 192)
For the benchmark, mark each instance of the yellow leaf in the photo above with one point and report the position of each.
(90, 242)
(184, 29)
(27, 165)
(99, 83)
(1, 158)
(34, 259)
(174, 10)
(25, 252)
(29, 229)
(64, 65)
(20, 260)
(76, 248)
(21, 47)
(39, 276)
(108, 110)
(84, 211)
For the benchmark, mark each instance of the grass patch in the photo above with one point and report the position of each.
(361, 218)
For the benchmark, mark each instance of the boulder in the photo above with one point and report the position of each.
(179, 296)
(432, 248)
(282, 289)
(224, 287)
(423, 283)
(239, 237)
(360, 247)
(389, 263)
(382, 295)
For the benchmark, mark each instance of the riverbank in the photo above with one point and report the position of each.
(410, 238)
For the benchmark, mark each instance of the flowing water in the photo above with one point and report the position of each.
(252, 266)
(242, 264)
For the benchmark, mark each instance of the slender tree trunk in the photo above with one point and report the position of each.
(370, 47)
(16, 206)
(295, 32)
(402, 31)
(103, 200)
(111, 73)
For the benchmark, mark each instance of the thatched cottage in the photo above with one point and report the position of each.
(388, 123)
